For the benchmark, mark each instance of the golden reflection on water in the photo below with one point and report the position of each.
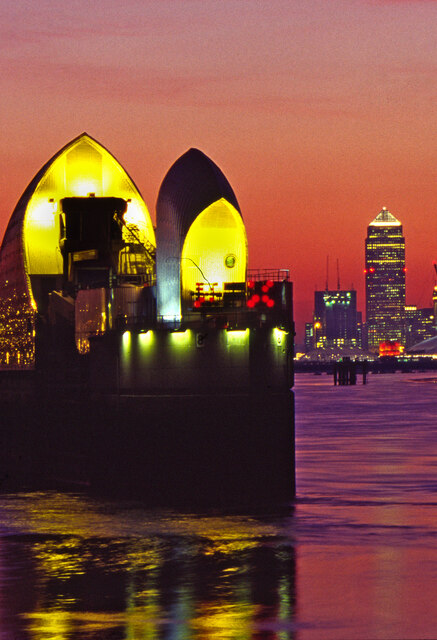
(98, 571)
(220, 620)
(59, 560)
(364, 529)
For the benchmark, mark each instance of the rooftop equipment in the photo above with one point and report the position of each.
(91, 239)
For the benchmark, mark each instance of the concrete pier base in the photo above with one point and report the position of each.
(182, 449)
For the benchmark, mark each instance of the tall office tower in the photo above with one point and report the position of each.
(385, 280)
(335, 319)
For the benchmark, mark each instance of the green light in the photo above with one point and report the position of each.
(126, 346)
(279, 335)
(237, 336)
(181, 338)
(145, 339)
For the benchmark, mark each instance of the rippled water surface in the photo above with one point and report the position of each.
(354, 557)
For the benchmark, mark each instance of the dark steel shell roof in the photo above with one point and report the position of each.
(192, 184)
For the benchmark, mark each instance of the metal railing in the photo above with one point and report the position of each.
(276, 275)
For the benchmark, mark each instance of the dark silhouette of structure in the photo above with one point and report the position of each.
(166, 363)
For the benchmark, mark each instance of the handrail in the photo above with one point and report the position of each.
(276, 275)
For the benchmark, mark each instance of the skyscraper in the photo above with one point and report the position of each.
(385, 280)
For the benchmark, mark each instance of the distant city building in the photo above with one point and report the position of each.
(335, 319)
(309, 336)
(419, 325)
(360, 330)
(434, 305)
(385, 280)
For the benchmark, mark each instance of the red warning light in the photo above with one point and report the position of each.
(265, 298)
(365, 270)
(256, 298)
(264, 288)
(270, 303)
(269, 283)
(405, 269)
(250, 303)
(250, 284)
(197, 304)
(372, 269)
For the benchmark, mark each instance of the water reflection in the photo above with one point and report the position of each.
(74, 569)
(356, 558)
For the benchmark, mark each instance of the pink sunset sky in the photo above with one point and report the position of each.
(318, 112)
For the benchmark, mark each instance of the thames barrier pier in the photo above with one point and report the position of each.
(159, 366)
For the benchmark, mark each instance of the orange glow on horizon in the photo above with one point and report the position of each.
(324, 119)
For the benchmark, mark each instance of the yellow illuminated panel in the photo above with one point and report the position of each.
(83, 168)
(214, 252)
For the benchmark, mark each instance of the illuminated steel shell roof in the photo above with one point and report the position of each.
(31, 242)
(192, 184)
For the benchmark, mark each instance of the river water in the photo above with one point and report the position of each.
(355, 556)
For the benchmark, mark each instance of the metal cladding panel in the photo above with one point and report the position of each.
(192, 184)
(12, 269)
